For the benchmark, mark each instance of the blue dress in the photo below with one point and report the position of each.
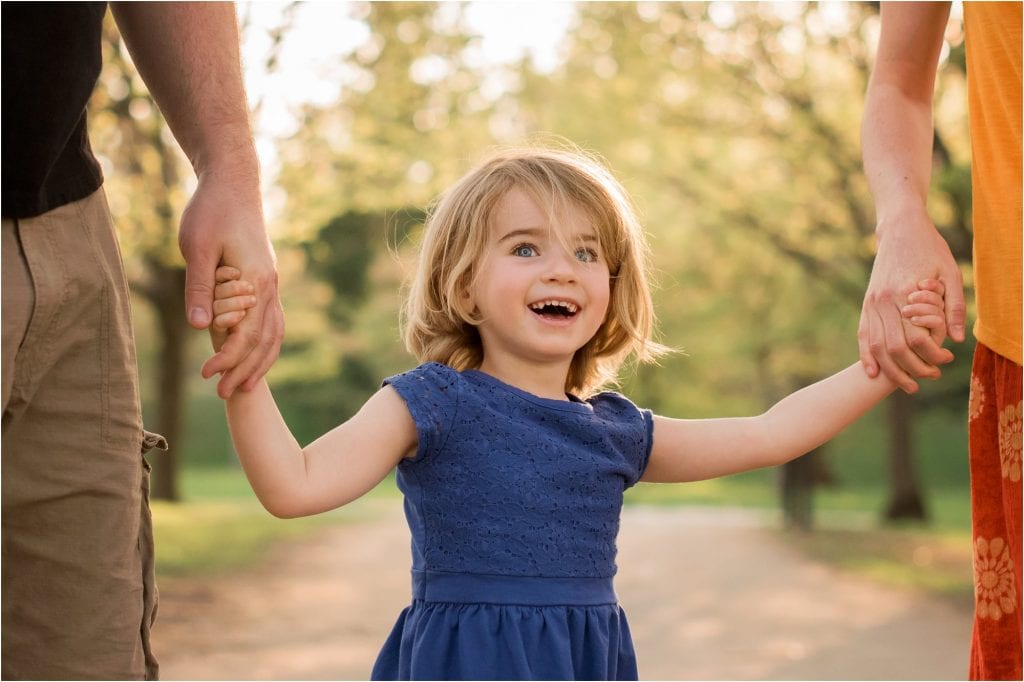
(513, 502)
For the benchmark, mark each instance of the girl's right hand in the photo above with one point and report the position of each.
(231, 298)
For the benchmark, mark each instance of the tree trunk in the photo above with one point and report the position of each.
(799, 477)
(169, 283)
(905, 501)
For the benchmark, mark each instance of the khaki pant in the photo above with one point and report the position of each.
(78, 591)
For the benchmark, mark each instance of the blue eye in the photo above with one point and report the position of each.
(524, 250)
(586, 255)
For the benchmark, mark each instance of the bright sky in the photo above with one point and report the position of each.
(308, 69)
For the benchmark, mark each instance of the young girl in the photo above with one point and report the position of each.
(531, 291)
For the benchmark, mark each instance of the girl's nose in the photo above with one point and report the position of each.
(561, 266)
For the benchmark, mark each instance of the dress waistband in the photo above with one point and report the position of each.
(475, 588)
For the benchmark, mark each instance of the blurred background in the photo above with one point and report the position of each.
(735, 126)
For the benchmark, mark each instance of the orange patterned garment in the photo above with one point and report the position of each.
(995, 443)
(993, 40)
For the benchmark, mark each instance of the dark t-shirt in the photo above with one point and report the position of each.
(51, 60)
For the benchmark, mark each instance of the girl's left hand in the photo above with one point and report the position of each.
(926, 308)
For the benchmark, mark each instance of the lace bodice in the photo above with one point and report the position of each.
(507, 483)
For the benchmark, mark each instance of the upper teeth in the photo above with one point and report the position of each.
(571, 307)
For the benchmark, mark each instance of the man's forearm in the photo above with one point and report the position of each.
(188, 55)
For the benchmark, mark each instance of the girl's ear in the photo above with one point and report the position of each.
(469, 302)
(467, 297)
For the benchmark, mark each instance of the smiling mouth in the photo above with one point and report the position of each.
(554, 309)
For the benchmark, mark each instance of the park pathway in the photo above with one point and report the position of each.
(710, 595)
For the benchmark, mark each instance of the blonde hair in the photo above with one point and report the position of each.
(436, 324)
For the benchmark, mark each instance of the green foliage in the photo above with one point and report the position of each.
(341, 254)
(735, 127)
(313, 407)
(906, 558)
(410, 115)
(144, 169)
(344, 249)
(221, 526)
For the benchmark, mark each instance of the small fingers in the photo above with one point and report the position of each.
(883, 360)
(927, 351)
(242, 339)
(919, 309)
(231, 288)
(890, 348)
(253, 344)
(240, 372)
(933, 285)
(259, 361)
(927, 297)
(225, 321)
(265, 364)
(926, 310)
(226, 273)
(933, 321)
(227, 305)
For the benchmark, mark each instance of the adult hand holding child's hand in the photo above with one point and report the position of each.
(231, 300)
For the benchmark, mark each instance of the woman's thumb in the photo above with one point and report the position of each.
(956, 308)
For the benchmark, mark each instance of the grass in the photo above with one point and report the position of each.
(935, 557)
(743, 490)
(221, 525)
(948, 507)
(931, 561)
(211, 536)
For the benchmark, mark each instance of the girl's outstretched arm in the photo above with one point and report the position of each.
(697, 449)
(337, 468)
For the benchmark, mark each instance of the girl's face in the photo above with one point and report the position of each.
(542, 290)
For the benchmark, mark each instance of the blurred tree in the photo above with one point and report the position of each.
(734, 126)
(743, 119)
(409, 118)
(341, 256)
(343, 250)
(147, 181)
(410, 115)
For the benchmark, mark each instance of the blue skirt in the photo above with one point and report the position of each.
(480, 627)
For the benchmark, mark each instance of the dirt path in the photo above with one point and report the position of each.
(710, 594)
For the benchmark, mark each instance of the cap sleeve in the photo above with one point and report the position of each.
(431, 392)
(645, 449)
(629, 430)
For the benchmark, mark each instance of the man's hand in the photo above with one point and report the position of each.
(223, 224)
(907, 254)
(188, 54)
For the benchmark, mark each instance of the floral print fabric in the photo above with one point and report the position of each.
(994, 415)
